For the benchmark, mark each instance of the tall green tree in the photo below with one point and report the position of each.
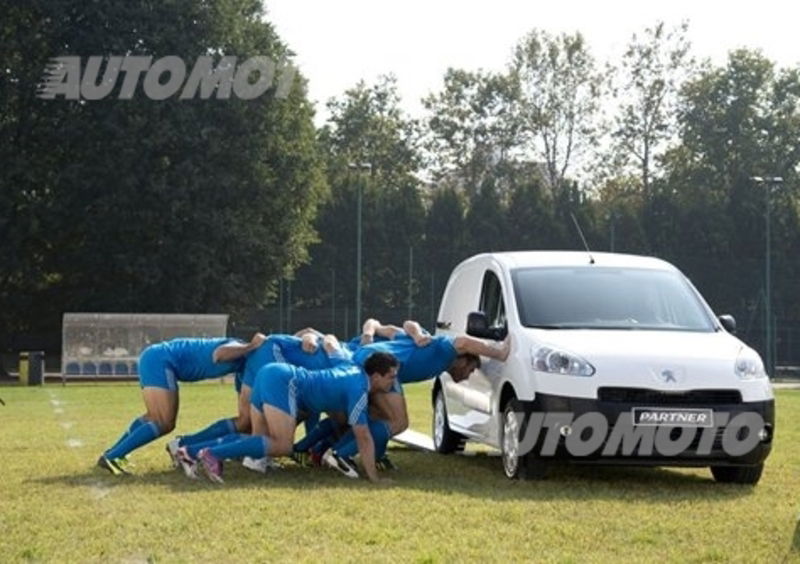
(446, 236)
(470, 127)
(144, 205)
(559, 89)
(737, 122)
(367, 127)
(651, 73)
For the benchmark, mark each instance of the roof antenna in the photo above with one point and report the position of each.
(580, 232)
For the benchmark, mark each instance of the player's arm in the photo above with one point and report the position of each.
(467, 344)
(374, 327)
(233, 350)
(309, 342)
(307, 331)
(334, 350)
(416, 332)
(366, 449)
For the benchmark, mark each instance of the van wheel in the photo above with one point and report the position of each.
(738, 474)
(525, 466)
(445, 441)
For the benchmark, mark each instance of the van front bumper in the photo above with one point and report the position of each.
(648, 431)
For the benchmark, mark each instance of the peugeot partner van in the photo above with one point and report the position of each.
(615, 359)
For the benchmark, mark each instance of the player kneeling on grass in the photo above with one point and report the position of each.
(421, 357)
(311, 351)
(161, 367)
(282, 390)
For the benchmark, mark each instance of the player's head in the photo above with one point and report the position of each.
(381, 367)
(463, 365)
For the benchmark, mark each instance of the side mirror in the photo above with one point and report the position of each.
(728, 322)
(478, 326)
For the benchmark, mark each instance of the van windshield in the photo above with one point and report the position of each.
(593, 297)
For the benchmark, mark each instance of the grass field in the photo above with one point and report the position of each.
(56, 506)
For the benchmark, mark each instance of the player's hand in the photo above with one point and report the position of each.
(309, 343)
(330, 343)
(258, 340)
(422, 340)
(367, 338)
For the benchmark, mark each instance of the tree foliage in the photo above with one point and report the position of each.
(142, 205)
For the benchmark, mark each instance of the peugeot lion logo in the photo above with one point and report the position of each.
(668, 376)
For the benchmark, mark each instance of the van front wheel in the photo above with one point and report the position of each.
(518, 465)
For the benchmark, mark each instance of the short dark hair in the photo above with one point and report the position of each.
(380, 362)
(471, 357)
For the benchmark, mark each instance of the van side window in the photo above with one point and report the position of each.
(492, 300)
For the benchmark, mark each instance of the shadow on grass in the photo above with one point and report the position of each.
(477, 475)
(795, 548)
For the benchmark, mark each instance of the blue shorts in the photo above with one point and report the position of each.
(274, 386)
(156, 370)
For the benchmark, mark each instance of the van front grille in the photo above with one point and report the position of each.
(644, 396)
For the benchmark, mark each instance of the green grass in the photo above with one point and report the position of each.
(55, 506)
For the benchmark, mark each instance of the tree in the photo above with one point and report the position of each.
(143, 205)
(736, 122)
(558, 90)
(653, 68)
(367, 126)
(445, 235)
(529, 222)
(470, 126)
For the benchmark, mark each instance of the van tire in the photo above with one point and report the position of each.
(738, 474)
(445, 441)
(516, 467)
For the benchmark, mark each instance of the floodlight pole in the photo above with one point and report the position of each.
(367, 167)
(769, 182)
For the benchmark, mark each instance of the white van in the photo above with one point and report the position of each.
(615, 359)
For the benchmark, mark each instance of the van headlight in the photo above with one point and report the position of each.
(559, 361)
(749, 366)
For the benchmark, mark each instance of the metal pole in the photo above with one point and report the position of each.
(367, 167)
(613, 217)
(433, 313)
(769, 334)
(280, 305)
(410, 285)
(768, 283)
(358, 253)
(289, 306)
(333, 300)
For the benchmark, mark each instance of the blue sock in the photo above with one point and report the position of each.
(346, 444)
(381, 433)
(217, 429)
(134, 425)
(194, 448)
(254, 446)
(324, 429)
(322, 445)
(311, 422)
(348, 447)
(143, 434)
